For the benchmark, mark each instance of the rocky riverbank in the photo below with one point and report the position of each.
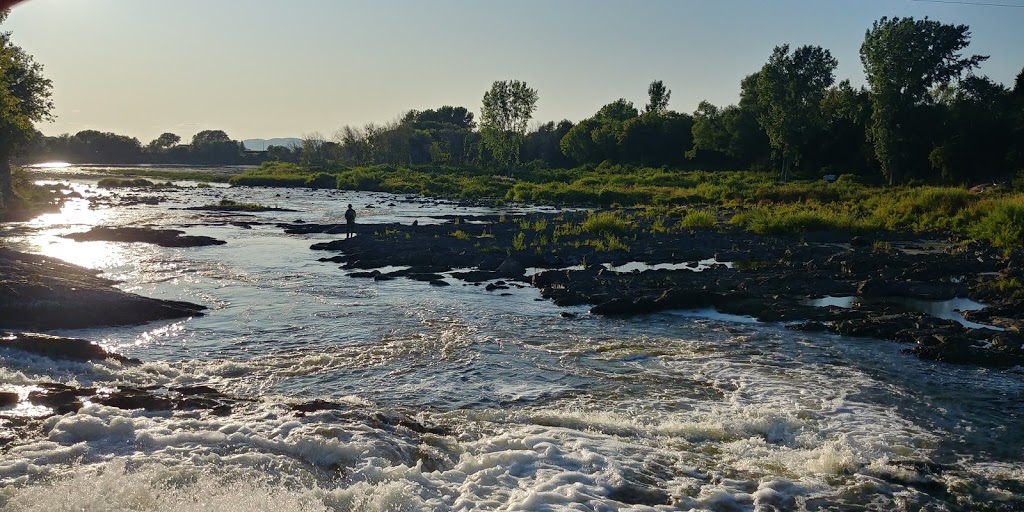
(884, 281)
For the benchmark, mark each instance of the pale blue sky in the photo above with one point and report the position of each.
(262, 68)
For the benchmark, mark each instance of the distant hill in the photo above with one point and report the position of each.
(261, 144)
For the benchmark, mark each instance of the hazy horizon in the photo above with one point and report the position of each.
(261, 70)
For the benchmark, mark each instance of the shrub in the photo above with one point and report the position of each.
(322, 180)
(1018, 181)
(698, 219)
(605, 223)
(519, 241)
(800, 218)
(1002, 225)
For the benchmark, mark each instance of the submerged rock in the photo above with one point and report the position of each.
(55, 347)
(41, 293)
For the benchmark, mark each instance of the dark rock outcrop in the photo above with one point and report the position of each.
(161, 237)
(7, 399)
(768, 278)
(41, 293)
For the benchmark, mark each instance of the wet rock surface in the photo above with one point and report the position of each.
(771, 279)
(61, 399)
(56, 347)
(161, 237)
(242, 208)
(41, 293)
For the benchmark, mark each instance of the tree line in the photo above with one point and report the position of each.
(208, 147)
(923, 116)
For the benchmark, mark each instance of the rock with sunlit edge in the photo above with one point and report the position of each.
(41, 293)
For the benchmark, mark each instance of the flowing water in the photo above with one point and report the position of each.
(674, 411)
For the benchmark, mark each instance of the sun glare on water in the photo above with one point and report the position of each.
(95, 255)
(76, 216)
(51, 165)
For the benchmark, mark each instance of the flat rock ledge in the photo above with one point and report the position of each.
(40, 293)
(161, 237)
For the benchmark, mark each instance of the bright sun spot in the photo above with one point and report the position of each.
(96, 255)
(76, 216)
(51, 165)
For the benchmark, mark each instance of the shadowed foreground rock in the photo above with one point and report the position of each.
(41, 293)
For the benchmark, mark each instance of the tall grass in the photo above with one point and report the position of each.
(698, 219)
(606, 223)
(782, 220)
(1001, 222)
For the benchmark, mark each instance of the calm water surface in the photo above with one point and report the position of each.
(675, 411)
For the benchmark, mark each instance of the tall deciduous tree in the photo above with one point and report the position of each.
(24, 99)
(214, 146)
(164, 141)
(904, 58)
(790, 88)
(507, 109)
(658, 96)
(209, 137)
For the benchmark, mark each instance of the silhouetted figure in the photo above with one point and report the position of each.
(350, 221)
(416, 222)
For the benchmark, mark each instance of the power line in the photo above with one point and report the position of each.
(961, 2)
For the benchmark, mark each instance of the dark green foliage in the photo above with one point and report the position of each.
(790, 88)
(904, 59)
(322, 180)
(24, 99)
(658, 96)
(211, 147)
(507, 108)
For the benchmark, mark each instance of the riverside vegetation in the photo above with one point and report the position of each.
(755, 201)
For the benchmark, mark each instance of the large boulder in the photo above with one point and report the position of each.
(511, 268)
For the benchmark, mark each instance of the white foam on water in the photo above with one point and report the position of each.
(154, 487)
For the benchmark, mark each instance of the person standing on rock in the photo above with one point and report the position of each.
(350, 221)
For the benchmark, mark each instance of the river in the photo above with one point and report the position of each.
(687, 410)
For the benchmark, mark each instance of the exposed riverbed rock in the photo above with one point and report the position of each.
(56, 347)
(63, 399)
(771, 279)
(41, 293)
(238, 208)
(161, 237)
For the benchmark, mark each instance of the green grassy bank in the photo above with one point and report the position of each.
(754, 201)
